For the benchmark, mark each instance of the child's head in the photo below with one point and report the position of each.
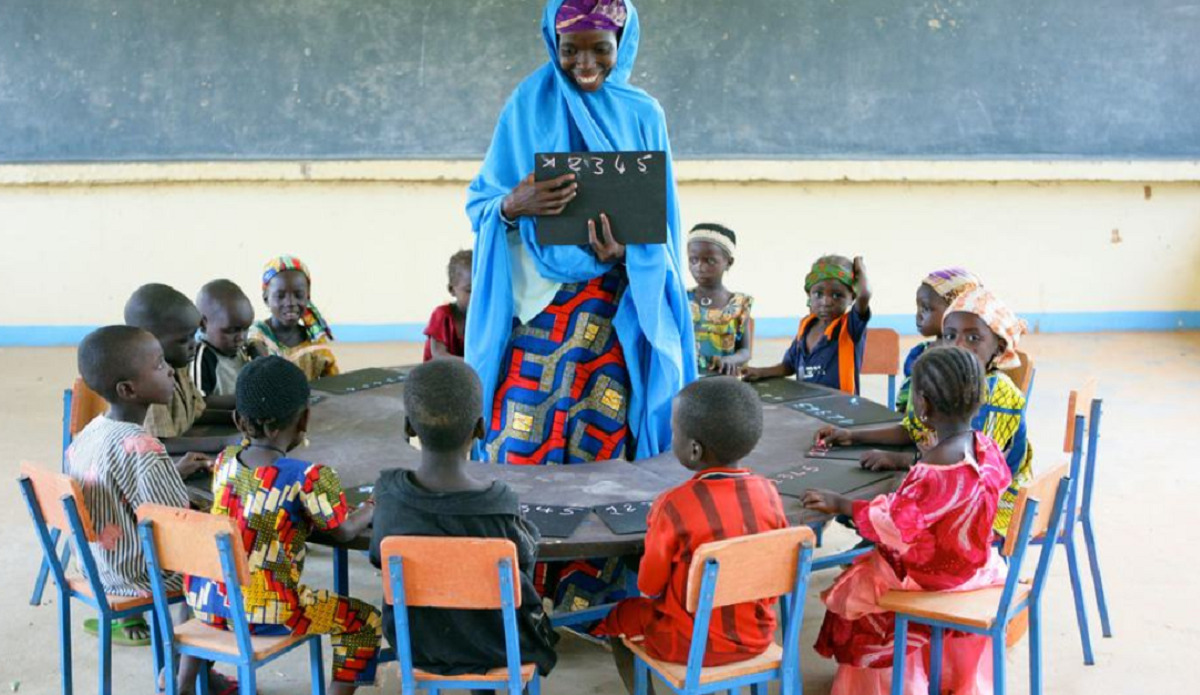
(272, 401)
(287, 292)
(225, 315)
(715, 422)
(978, 321)
(170, 316)
(830, 287)
(459, 276)
(125, 364)
(710, 252)
(443, 405)
(947, 385)
(937, 290)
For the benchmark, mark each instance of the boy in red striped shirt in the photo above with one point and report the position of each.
(715, 423)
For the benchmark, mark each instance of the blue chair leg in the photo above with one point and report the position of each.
(935, 661)
(341, 571)
(246, 676)
(758, 689)
(1089, 540)
(316, 664)
(641, 677)
(202, 678)
(891, 391)
(104, 630)
(64, 643)
(998, 648)
(899, 650)
(39, 584)
(1080, 609)
(156, 644)
(1035, 649)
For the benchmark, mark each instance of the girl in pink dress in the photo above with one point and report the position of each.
(934, 533)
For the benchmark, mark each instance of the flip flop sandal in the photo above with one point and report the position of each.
(117, 630)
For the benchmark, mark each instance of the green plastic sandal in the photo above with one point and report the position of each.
(117, 629)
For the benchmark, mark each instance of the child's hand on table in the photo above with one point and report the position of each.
(752, 373)
(191, 463)
(724, 367)
(885, 461)
(826, 502)
(829, 436)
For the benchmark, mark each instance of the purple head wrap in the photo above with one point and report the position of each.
(590, 15)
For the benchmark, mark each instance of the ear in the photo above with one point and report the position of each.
(479, 432)
(697, 451)
(920, 406)
(730, 263)
(240, 423)
(302, 423)
(125, 391)
(450, 288)
(265, 297)
(408, 428)
(203, 324)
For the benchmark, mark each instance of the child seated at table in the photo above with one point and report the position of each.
(295, 329)
(715, 423)
(720, 318)
(978, 321)
(443, 404)
(173, 319)
(278, 502)
(448, 323)
(828, 348)
(225, 318)
(934, 294)
(121, 466)
(933, 534)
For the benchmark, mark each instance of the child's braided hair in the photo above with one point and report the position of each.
(271, 394)
(951, 379)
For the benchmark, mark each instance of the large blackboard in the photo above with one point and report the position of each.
(308, 79)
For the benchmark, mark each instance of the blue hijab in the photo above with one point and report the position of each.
(653, 321)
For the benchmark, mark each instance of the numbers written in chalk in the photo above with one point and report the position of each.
(599, 164)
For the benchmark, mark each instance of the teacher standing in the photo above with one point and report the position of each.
(580, 349)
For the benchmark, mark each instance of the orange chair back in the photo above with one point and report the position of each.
(753, 567)
(881, 354)
(186, 541)
(1022, 375)
(86, 405)
(449, 572)
(50, 488)
(1043, 488)
(1079, 402)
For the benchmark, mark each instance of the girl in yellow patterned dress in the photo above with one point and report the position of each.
(277, 502)
(295, 329)
(720, 318)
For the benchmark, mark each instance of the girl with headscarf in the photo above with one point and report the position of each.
(580, 348)
(295, 330)
(934, 294)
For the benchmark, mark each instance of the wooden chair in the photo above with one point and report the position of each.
(209, 546)
(55, 503)
(1023, 375)
(738, 570)
(81, 405)
(989, 611)
(881, 355)
(464, 573)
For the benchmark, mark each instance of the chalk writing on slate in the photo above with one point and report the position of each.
(840, 477)
(624, 517)
(359, 380)
(554, 521)
(629, 187)
(786, 390)
(355, 496)
(846, 411)
(853, 453)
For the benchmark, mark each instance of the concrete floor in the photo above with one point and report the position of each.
(1145, 493)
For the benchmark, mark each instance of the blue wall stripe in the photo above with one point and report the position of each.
(770, 327)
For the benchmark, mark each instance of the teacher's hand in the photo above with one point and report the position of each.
(605, 246)
(549, 197)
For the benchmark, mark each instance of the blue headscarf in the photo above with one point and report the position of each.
(653, 321)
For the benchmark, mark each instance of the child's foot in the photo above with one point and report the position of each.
(130, 632)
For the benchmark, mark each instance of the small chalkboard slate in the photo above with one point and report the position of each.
(846, 411)
(624, 517)
(853, 453)
(629, 187)
(838, 476)
(358, 380)
(785, 390)
(355, 496)
(554, 521)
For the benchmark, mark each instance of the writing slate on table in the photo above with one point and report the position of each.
(624, 518)
(553, 521)
(838, 476)
(359, 380)
(629, 187)
(785, 390)
(846, 411)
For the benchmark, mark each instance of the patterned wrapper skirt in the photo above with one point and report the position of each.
(564, 392)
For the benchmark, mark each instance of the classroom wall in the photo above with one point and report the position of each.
(1067, 254)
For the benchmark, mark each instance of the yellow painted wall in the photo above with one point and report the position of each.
(75, 244)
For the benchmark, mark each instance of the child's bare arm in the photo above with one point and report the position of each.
(894, 435)
(757, 373)
(356, 523)
(439, 350)
(862, 304)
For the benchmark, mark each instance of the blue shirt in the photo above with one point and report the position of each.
(821, 365)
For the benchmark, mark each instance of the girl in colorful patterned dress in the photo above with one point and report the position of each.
(720, 318)
(978, 321)
(295, 329)
(277, 502)
(933, 534)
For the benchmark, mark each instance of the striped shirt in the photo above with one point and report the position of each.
(715, 504)
(121, 467)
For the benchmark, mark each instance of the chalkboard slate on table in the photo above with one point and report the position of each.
(846, 411)
(554, 521)
(359, 380)
(629, 187)
(786, 390)
(839, 476)
(854, 453)
(624, 517)
(355, 496)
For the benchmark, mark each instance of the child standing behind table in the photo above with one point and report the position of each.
(720, 318)
(295, 330)
(443, 404)
(225, 318)
(445, 334)
(828, 348)
(715, 423)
